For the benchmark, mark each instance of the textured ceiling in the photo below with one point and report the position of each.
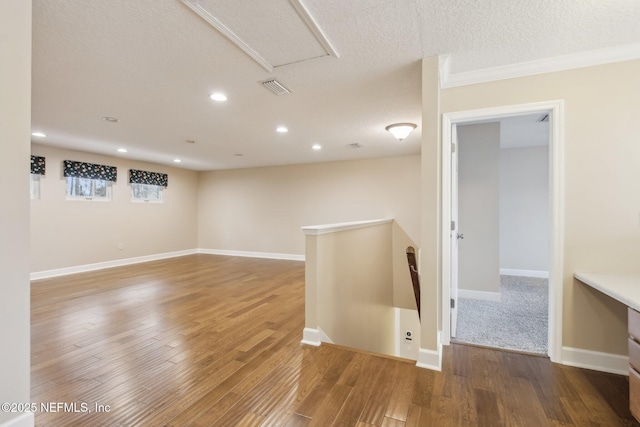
(153, 64)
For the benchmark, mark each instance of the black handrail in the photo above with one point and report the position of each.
(415, 278)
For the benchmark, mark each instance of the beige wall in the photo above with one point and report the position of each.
(602, 201)
(479, 207)
(349, 287)
(72, 233)
(15, 124)
(524, 208)
(430, 259)
(263, 209)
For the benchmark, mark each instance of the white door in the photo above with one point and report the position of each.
(454, 230)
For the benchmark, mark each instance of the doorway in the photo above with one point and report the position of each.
(449, 225)
(503, 229)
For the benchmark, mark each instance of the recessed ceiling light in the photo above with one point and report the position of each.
(110, 119)
(316, 147)
(177, 160)
(218, 96)
(282, 129)
(122, 150)
(39, 134)
(190, 141)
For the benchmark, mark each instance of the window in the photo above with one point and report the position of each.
(147, 193)
(88, 181)
(35, 186)
(147, 186)
(88, 189)
(38, 166)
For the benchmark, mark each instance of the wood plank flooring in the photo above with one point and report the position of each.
(207, 340)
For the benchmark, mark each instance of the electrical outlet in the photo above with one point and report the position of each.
(120, 246)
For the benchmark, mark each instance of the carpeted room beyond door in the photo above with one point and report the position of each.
(519, 322)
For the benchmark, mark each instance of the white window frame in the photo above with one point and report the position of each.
(144, 188)
(34, 186)
(90, 195)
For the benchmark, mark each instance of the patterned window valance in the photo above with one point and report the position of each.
(90, 170)
(151, 178)
(37, 165)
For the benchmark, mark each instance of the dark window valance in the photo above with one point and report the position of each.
(90, 170)
(151, 178)
(37, 165)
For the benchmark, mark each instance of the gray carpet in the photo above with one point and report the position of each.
(518, 322)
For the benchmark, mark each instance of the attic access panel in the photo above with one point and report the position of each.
(273, 33)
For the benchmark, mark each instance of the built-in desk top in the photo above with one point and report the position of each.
(624, 288)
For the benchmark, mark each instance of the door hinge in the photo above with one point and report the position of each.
(453, 148)
(453, 303)
(453, 225)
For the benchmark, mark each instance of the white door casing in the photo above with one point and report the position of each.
(454, 230)
(556, 210)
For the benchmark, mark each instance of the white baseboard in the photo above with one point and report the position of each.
(479, 295)
(136, 260)
(314, 337)
(108, 264)
(524, 273)
(595, 360)
(311, 336)
(26, 419)
(430, 359)
(268, 255)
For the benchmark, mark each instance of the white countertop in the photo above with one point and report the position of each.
(624, 288)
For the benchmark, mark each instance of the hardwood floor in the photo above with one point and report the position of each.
(206, 340)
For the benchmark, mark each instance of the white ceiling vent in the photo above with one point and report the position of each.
(275, 86)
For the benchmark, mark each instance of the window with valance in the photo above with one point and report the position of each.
(38, 166)
(90, 171)
(89, 181)
(149, 178)
(147, 186)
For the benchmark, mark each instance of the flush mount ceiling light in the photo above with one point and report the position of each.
(177, 161)
(282, 129)
(39, 134)
(110, 119)
(316, 147)
(218, 96)
(401, 130)
(122, 150)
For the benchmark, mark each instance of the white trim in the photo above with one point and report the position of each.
(556, 208)
(227, 32)
(299, 7)
(479, 295)
(311, 336)
(540, 66)
(315, 29)
(108, 264)
(26, 419)
(430, 359)
(524, 273)
(396, 321)
(598, 361)
(267, 255)
(314, 230)
(315, 337)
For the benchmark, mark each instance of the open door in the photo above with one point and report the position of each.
(454, 230)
